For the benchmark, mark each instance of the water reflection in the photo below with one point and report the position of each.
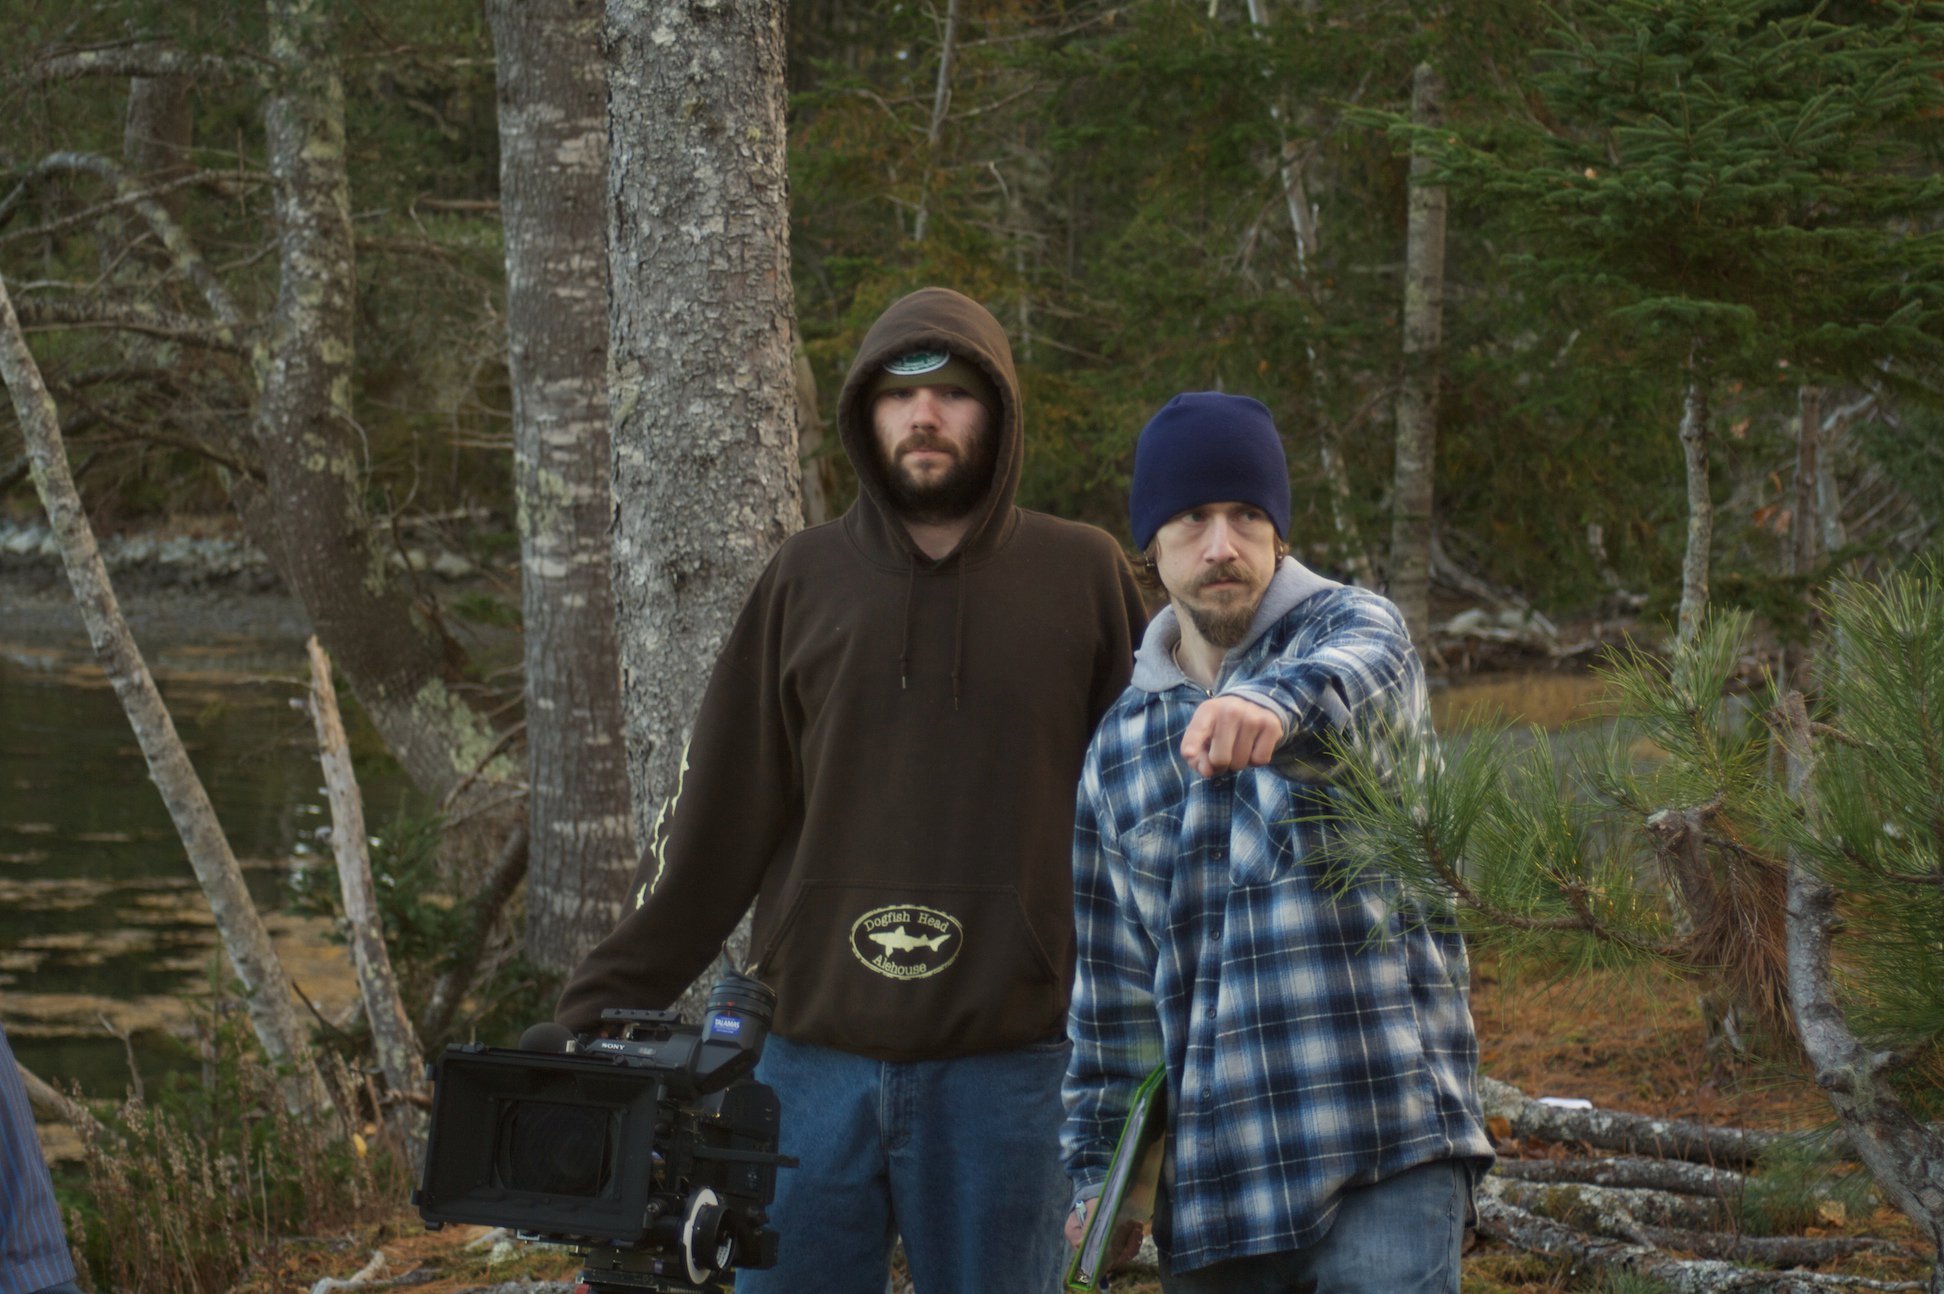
(103, 929)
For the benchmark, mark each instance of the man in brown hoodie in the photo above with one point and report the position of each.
(885, 760)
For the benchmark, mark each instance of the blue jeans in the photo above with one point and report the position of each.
(1398, 1236)
(960, 1157)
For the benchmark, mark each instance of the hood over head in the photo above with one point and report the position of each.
(944, 320)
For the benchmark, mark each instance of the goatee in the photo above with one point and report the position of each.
(1224, 628)
(1224, 625)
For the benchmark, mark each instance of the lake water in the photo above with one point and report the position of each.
(100, 914)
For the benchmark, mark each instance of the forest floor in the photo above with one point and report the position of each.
(1634, 1044)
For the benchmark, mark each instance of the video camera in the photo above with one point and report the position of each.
(653, 1154)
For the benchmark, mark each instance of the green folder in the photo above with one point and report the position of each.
(1133, 1177)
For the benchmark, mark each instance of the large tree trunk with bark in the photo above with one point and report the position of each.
(1417, 394)
(327, 547)
(701, 381)
(266, 990)
(553, 198)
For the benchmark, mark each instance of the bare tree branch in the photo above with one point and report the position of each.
(183, 254)
(48, 1102)
(132, 196)
(400, 1057)
(141, 58)
(45, 315)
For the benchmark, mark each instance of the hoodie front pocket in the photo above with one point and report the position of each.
(890, 967)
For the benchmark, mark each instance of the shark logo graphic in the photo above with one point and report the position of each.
(900, 942)
(906, 941)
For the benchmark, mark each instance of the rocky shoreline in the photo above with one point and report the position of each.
(175, 590)
(182, 588)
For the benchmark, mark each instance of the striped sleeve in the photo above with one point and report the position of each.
(1113, 1022)
(33, 1247)
(1358, 653)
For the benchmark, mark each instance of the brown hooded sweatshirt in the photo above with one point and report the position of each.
(886, 758)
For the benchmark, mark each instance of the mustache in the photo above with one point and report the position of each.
(920, 441)
(1226, 571)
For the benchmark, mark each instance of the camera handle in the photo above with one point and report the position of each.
(730, 1156)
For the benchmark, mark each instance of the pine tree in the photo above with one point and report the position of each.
(1735, 190)
(1558, 863)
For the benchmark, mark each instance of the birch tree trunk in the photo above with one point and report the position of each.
(1804, 531)
(266, 990)
(1829, 494)
(941, 105)
(326, 543)
(1417, 394)
(701, 383)
(553, 194)
(1904, 1155)
(400, 1058)
(1292, 169)
(1291, 165)
(1700, 535)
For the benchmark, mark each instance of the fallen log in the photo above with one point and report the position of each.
(1613, 1210)
(48, 1102)
(1675, 1175)
(365, 1276)
(1528, 1231)
(1769, 1251)
(1634, 1133)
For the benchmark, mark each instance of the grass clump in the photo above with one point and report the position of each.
(183, 1191)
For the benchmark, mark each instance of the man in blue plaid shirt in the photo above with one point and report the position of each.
(1323, 1119)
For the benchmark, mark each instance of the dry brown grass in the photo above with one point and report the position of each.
(187, 1195)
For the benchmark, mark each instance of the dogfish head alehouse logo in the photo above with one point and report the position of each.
(906, 941)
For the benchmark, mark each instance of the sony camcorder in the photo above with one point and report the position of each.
(653, 1153)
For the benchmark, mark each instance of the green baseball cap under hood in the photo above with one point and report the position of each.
(933, 321)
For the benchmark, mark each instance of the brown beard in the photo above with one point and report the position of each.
(954, 494)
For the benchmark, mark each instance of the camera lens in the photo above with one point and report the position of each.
(708, 1237)
(554, 1149)
(744, 996)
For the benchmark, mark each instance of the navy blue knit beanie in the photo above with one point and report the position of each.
(1206, 447)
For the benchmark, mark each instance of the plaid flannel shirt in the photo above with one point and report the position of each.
(1314, 1040)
